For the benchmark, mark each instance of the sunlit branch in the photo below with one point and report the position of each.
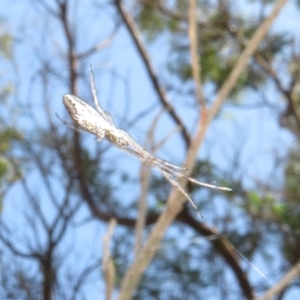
(282, 284)
(195, 59)
(174, 204)
(130, 24)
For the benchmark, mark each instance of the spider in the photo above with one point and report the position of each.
(101, 124)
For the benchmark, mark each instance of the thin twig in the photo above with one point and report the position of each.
(166, 138)
(287, 93)
(282, 284)
(271, 72)
(99, 46)
(161, 6)
(195, 60)
(145, 173)
(244, 57)
(107, 263)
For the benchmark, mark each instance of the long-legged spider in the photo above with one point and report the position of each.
(101, 124)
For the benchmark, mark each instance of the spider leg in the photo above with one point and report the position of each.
(137, 147)
(176, 184)
(164, 162)
(148, 160)
(134, 153)
(107, 117)
(168, 174)
(206, 184)
(212, 186)
(69, 125)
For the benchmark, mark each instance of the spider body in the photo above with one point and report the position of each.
(85, 116)
(100, 123)
(116, 138)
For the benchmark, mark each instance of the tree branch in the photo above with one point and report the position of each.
(195, 60)
(175, 201)
(222, 246)
(99, 46)
(107, 263)
(129, 22)
(244, 57)
(168, 12)
(282, 284)
(267, 68)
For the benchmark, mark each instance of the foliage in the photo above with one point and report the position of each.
(9, 169)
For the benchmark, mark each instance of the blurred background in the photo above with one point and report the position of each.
(59, 188)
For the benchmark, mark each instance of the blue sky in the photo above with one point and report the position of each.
(26, 24)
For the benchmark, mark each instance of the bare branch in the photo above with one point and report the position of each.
(174, 205)
(129, 22)
(101, 45)
(195, 59)
(282, 284)
(145, 173)
(16, 251)
(107, 263)
(267, 68)
(287, 93)
(169, 12)
(167, 137)
(243, 59)
(221, 246)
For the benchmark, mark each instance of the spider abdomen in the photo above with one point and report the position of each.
(85, 116)
(116, 140)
